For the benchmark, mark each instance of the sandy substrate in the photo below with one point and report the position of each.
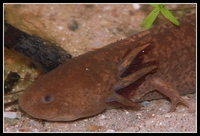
(81, 28)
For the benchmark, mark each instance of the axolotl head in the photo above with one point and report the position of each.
(45, 104)
(54, 97)
(39, 103)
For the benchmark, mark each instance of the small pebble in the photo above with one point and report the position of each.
(73, 26)
(12, 115)
(110, 130)
(145, 103)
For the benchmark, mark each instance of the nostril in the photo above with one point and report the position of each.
(47, 98)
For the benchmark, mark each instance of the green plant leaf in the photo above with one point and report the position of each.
(151, 18)
(167, 14)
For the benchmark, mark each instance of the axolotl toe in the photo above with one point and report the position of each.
(145, 66)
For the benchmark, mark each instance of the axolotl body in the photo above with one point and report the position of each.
(149, 65)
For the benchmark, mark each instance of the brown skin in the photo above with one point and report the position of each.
(88, 84)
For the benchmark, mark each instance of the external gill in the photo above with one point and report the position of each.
(129, 79)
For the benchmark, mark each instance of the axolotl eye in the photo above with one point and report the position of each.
(47, 98)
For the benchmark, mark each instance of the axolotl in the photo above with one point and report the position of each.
(149, 65)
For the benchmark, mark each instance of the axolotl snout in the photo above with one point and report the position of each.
(120, 74)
